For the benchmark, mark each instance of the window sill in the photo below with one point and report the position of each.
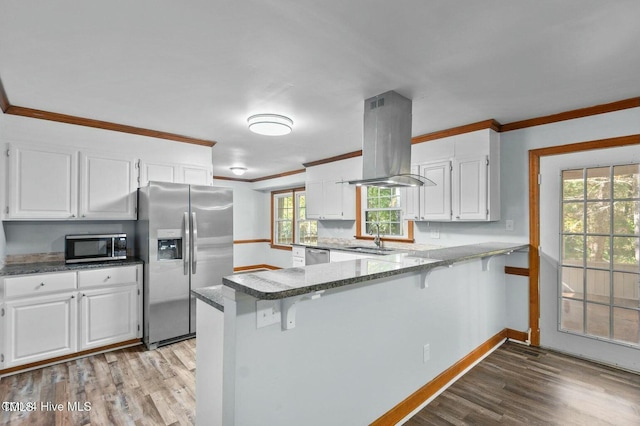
(280, 247)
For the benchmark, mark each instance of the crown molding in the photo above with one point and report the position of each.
(573, 114)
(332, 159)
(279, 175)
(104, 125)
(467, 128)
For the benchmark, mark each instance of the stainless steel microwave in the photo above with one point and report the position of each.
(95, 248)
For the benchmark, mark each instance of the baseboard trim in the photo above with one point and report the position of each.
(260, 266)
(75, 355)
(442, 381)
(521, 336)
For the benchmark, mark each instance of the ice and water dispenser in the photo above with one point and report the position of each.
(169, 244)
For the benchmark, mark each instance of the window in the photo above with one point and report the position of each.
(289, 221)
(381, 206)
(600, 235)
(383, 209)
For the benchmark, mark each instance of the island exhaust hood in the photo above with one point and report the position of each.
(386, 144)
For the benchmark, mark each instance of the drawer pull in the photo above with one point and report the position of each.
(108, 277)
(72, 296)
(42, 284)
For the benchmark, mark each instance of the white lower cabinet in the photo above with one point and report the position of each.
(44, 316)
(108, 316)
(298, 256)
(40, 328)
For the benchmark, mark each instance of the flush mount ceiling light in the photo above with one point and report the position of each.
(239, 171)
(270, 124)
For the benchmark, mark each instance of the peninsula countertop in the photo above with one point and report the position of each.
(289, 282)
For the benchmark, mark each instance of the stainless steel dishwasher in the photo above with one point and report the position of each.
(313, 256)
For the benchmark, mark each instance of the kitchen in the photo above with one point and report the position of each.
(276, 164)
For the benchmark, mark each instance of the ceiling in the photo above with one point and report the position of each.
(200, 68)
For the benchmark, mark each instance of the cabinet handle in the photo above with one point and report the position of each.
(73, 297)
(108, 277)
(457, 217)
(41, 284)
(73, 215)
(83, 216)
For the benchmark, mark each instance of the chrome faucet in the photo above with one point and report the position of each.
(376, 239)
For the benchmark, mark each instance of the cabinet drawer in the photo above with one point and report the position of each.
(107, 276)
(297, 251)
(34, 285)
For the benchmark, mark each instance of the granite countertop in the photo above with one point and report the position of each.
(211, 295)
(60, 266)
(283, 283)
(363, 248)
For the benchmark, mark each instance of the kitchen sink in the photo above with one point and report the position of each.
(367, 248)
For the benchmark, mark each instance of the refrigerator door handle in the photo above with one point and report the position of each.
(186, 244)
(194, 253)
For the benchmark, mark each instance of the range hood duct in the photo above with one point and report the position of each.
(386, 144)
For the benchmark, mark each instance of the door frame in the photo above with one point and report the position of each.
(534, 215)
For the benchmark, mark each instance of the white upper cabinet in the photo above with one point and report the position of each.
(107, 187)
(196, 175)
(51, 183)
(42, 183)
(466, 171)
(47, 182)
(470, 182)
(175, 173)
(157, 173)
(435, 201)
(328, 196)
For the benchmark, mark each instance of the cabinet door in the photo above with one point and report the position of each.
(195, 175)
(314, 198)
(157, 173)
(332, 199)
(411, 198)
(435, 201)
(42, 183)
(107, 187)
(40, 328)
(470, 188)
(108, 316)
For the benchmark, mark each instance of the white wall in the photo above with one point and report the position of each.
(252, 220)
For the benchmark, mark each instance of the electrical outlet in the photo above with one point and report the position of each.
(509, 225)
(426, 353)
(268, 312)
(435, 233)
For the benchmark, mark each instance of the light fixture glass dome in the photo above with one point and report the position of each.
(238, 171)
(270, 124)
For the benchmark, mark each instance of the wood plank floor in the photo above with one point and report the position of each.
(129, 386)
(514, 385)
(520, 385)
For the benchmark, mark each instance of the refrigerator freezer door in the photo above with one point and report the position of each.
(167, 286)
(212, 223)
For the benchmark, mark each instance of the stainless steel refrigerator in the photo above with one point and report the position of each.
(184, 234)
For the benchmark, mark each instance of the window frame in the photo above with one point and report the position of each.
(585, 299)
(295, 194)
(407, 225)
